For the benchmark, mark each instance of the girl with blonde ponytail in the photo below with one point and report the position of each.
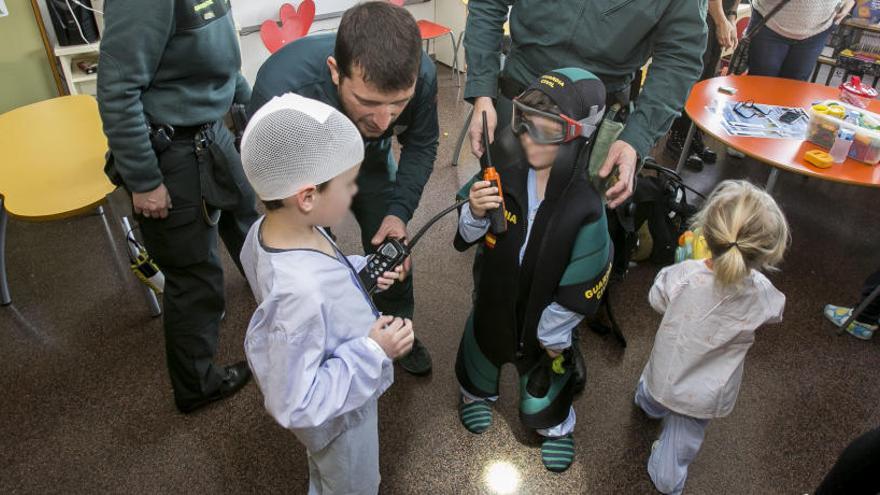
(711, 309)
(745, 230)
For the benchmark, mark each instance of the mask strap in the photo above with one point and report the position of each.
(591, 123)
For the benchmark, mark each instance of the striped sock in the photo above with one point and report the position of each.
(558, 453)
(475, 416)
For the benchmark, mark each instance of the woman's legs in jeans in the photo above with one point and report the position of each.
(802, 57)
(767, 50)
(771, 54)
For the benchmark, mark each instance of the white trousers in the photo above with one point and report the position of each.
(349, 465)
(680, 440)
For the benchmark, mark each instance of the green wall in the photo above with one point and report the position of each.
(25, 76)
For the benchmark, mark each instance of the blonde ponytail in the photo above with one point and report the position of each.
(729, 266)
(744, 229)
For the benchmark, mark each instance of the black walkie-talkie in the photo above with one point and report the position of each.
(497, 216)
(390, 254)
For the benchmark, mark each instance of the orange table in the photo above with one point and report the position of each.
(781, 154)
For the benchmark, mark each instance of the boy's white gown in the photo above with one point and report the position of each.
(308, 347)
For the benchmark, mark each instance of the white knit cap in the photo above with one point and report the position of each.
(293, 142)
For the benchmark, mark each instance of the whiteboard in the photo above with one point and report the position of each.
(250, 13)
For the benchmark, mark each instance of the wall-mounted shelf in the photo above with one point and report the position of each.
(78, 82)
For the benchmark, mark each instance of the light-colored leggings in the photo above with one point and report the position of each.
(349, 465)
(680, 440)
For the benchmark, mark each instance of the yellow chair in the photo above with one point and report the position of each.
(51, 166)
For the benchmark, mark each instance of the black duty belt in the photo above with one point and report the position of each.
(178, 132)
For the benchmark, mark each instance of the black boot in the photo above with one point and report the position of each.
(694, 162)
(677, 136)
(699, 148)
(235, 377)
(418, 361)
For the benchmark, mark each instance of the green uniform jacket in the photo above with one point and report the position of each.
(610, 38)
(301, 67)
(171, 62)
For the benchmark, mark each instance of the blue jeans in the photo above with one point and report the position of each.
(771, 54)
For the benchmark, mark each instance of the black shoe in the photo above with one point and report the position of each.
(694, 162)
(699, 148)
(237, 376)
(675, 142)
(418, 361)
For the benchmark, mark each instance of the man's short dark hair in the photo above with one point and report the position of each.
(384, 41)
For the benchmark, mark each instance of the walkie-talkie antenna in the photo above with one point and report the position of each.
(486, 153)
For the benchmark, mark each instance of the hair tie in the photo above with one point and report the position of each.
(730, 245)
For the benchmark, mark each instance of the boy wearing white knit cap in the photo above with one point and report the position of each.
(320, 351)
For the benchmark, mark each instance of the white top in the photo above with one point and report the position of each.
(696, 364)
(307, 343)
(799, 19)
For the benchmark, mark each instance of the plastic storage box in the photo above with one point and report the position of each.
(828, 117)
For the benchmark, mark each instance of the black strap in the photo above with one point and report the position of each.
(510, 88)
(765, 18)
(357, 278)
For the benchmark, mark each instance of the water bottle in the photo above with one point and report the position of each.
(841, 146)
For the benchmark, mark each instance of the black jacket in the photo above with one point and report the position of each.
(567, 259)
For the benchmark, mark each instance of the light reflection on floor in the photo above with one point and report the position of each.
(501, 478)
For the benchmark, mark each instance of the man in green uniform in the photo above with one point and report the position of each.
(611, 38)
(168, 73)
(374, 71)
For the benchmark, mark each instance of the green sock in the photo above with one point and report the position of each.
(558, 453)
(475, 416)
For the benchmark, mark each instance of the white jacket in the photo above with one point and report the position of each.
(307, 341)
(696, 364)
